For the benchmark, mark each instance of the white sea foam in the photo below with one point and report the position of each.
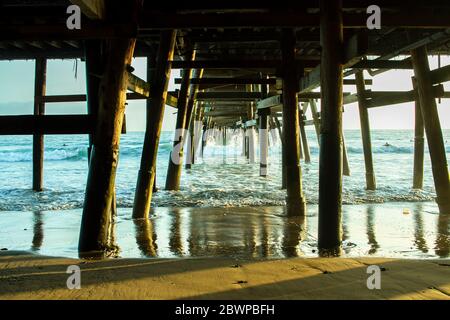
(218, 180)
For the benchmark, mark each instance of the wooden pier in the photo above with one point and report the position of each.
(244, 67)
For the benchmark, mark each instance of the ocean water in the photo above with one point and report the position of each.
(222, 178)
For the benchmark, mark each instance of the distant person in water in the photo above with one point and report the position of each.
(387, 144)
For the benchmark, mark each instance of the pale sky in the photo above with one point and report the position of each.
(17, 91)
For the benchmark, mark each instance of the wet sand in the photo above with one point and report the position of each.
(231, 253)
(27, 276)
(390, 230)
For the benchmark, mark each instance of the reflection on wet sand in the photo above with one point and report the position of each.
(146, 237)
(266, 232)
(233, 233)
(419, 236)
(374, 246)
(294, 233)
(38, 231)
(175, 242)
(258, 232)
(442, 248)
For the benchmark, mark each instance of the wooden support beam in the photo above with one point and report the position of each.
(219, 95)
(352, 82)
(295, 201)
(176, 156)
(230, 81)
(190, 154)
(419, 141)
(192, 109)
(385, 98)
(137, 85)
(46, 124)
(365, 131)
(287, 19)
(283, 156)
(97, 223)
(432, 128)
(93, 9)
(64, 98)
(155, 113)
(355, 48)
(316, 118)
(304, 138)
(440, 75)
(277, 101)
(300, 142)
(90, 31)
(330, 172)
(244, 64)
(263, 135)
(170, 101)
(310, 81)
(96, 235)
(251, 144)
(94, 68)
(383, 64)
(269, 102)
(345, 167)
(350, 99)
(39, 110)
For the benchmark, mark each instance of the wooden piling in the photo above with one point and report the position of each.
(419, 141)
(155, 114)
(433, 130)
(94, 70)
(330, 168)
(94, 50)
(190, 158)
(346, 167)
(300, 141)
(251, 145)
(263, 142)
(190, 120)
(96, 220)
(305, 144)
(174, 167)
(244, 142)
(317, 120)
(283, 156)
(39, 109)
(204, 137)
(365, 131)
(295, 201)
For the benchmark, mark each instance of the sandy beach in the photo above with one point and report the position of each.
(27, 276)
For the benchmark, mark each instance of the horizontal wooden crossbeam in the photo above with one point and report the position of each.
(90, 31)
(137, 85)
(243, 64)
(385, 98)
(51, 124)
(229, 81)
(140, 88)
(402, 19)
(171, 100)
(257, 81)
(238, 95)
(384, 64)
(440, 75)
